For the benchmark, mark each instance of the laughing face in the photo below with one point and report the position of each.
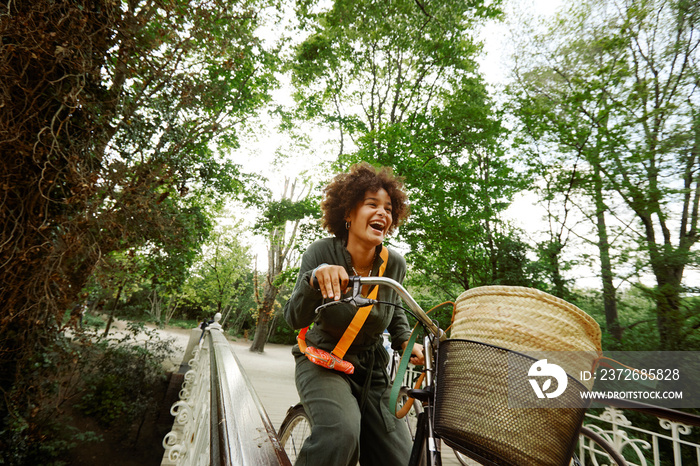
(370, 219)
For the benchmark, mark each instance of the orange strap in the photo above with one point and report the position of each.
(301, 339)
(357, 322)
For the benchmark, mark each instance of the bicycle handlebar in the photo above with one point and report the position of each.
(357, 283)
(357, 300)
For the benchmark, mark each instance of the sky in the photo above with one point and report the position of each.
(494, 62)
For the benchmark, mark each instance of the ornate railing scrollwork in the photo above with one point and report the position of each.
(189, 438)
(218, 418)
(640, 447)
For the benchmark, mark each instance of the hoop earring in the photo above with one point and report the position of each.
(347, 225)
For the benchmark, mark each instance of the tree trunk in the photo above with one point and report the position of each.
(669, 263)
(669, 318)
(668, 271)
(173, 303)
(225, 312)
(265, 313)
(273, 326)
(612, 321)
(114, 308)
(261, 328)
(156, 305)
(238, 320)
(551, 255)
(278, 254)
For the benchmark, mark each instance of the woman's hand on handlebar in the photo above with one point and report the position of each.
(417, 357)
(332, 281)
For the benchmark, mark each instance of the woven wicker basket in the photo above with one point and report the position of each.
(526, 319)
(474, 410)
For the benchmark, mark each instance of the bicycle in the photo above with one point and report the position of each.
(437, 410)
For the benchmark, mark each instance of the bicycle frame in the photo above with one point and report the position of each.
(426, 446)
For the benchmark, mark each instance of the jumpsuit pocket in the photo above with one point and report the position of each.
(387, 416)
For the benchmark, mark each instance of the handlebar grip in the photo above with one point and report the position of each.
(351, 281)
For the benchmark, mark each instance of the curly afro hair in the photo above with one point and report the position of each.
(346, 190)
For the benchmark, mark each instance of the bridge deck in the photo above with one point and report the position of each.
(272, 375)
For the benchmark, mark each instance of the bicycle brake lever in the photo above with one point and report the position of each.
(332, 303)
(361, 301)
(358, 301)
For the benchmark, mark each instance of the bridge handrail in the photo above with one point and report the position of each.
(219, 419)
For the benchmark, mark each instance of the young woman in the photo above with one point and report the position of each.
(349, 411)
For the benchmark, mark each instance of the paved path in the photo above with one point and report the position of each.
(272, 375)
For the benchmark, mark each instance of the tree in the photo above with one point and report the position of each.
(222, 270)
(280, 223)
(454, 231)
(616, 87)
(110, 115)
(400, 84)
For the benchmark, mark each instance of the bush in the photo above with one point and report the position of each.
(46, 442)
(123, 382)
(184, 323)
(34, 429)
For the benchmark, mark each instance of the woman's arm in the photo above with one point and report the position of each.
(299, 309)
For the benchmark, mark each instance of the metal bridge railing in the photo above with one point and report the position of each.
(642, 447)
(219, 419)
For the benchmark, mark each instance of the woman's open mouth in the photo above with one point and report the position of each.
(377, 226)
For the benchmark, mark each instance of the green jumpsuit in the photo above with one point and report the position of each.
(349, 413)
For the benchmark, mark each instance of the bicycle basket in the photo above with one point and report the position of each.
(525, 319)
(484, 408)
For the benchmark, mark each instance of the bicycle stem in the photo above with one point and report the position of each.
(410, 302)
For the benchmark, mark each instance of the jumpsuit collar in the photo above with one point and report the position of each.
(348, 258)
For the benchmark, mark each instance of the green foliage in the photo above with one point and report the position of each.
(123, 115)
(123, 382)
(287, 278)
(46, 444)
(278, 213)
(401, 81)
(552, 268)
(33, 433)
(282, 333)
(119, 381)
(610, 92)
(92, 321)
(184, 323)
(219, 278)
(637, 318)
(637, 308)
